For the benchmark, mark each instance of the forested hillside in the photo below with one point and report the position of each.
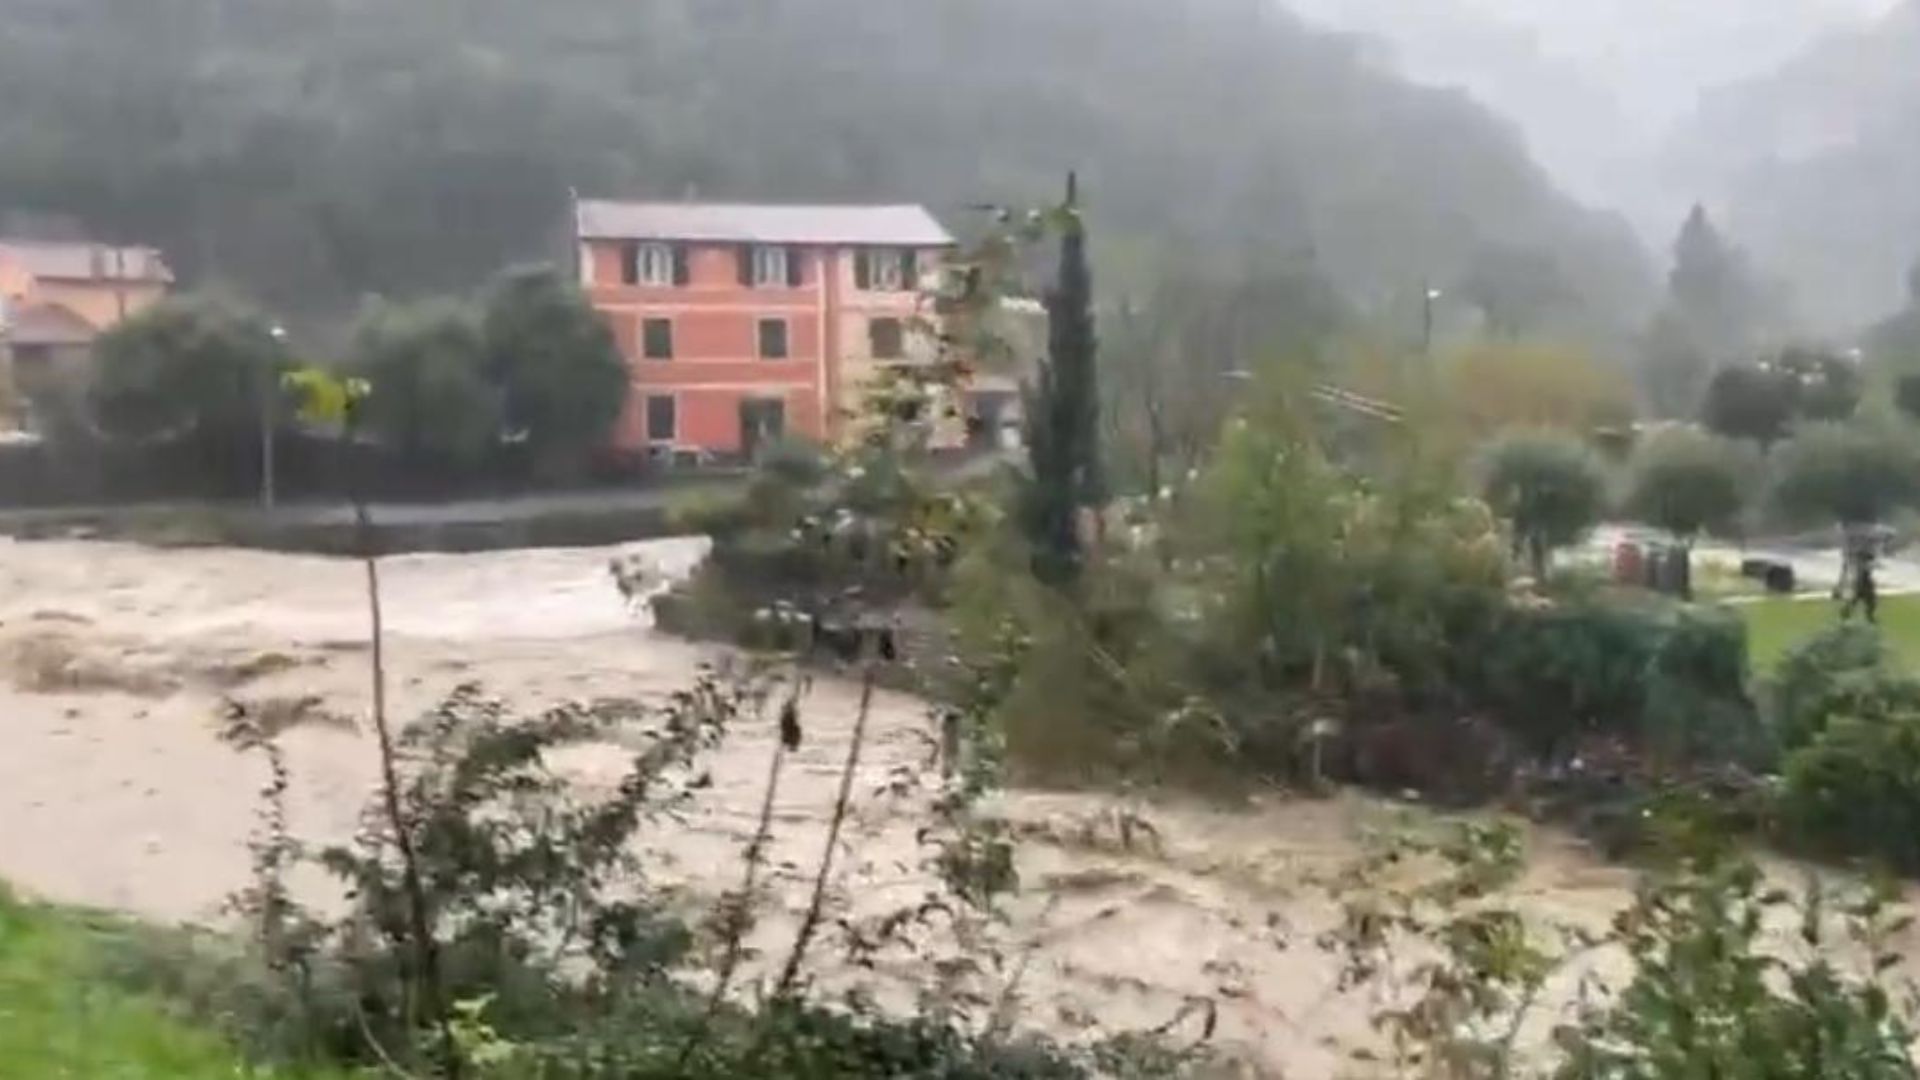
(312, 151)
(1819, 167)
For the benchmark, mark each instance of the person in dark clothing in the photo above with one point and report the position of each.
(1866, 592)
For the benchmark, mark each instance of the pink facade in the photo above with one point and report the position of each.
(734, 342)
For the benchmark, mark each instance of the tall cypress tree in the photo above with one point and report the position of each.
(1063, 436)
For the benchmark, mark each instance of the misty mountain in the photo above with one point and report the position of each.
(310, 151)
(1818, 166)
(1595, 87)
(1569, 118)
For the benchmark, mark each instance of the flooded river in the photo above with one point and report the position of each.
(115, 791)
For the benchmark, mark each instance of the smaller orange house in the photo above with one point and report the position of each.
(55, 298)
(98, 284)
(745, 323)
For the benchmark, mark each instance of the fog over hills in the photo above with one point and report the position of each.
(1817, 166)
(316, 150)
(1646, 106)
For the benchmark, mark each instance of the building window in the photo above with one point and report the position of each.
(657, 339)
(886, 339)
(663, 418)
(885, 270)
(770, 267)
(773, 339)
(654, 264)
(763, 422)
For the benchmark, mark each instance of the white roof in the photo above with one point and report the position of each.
(749, 223)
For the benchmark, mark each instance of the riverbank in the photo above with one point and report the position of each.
(565, 519)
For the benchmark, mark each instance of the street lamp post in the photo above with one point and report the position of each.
(1428, 298)
(268, 394)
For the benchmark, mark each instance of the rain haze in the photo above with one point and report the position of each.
(985, 539)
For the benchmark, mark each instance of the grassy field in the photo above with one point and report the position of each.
(1776, 625)
(58, 1021)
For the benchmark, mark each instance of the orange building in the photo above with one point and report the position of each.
(56, 298)
(745, 323)
(88, 284)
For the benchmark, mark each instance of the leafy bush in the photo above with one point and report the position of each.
(1697, 707)
(1657, 675)
(1849, 720)
(1706, 999)
(1307, 572)
(1555, 675)
(504, 885)
(1685, 983)
(1816, 679)
(507, 931)
(1855, 789)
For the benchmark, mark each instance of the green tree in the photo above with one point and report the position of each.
(1709, 317)
(561, 376)
(1822, 385)
(1063, 412)
(1853, 474)
(1748, 402)
(1711, 286)
(1548, 487)
(1906, 395)
(195, 369)
(432, 400)
(1688, 482)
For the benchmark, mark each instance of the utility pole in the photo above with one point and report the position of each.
(1428, 297)
(269, 394)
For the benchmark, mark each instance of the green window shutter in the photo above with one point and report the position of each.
(796, 275)
(746, 265)
(910, 270)
(682, 271)
(630, 263)
(862, 270)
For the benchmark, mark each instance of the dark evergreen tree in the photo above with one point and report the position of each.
(1063, 412)
(1705, 278)
(1708, 320)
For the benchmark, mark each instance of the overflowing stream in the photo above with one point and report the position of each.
(115, 790)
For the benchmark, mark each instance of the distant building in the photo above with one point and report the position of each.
(56, 298)
(745, 323)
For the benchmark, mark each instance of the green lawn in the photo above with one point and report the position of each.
(59, 1021)
(1776, 625)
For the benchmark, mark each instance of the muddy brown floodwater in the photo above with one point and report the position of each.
(116, 792)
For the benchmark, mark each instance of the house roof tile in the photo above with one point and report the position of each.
(87, 262)
(745, 223)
